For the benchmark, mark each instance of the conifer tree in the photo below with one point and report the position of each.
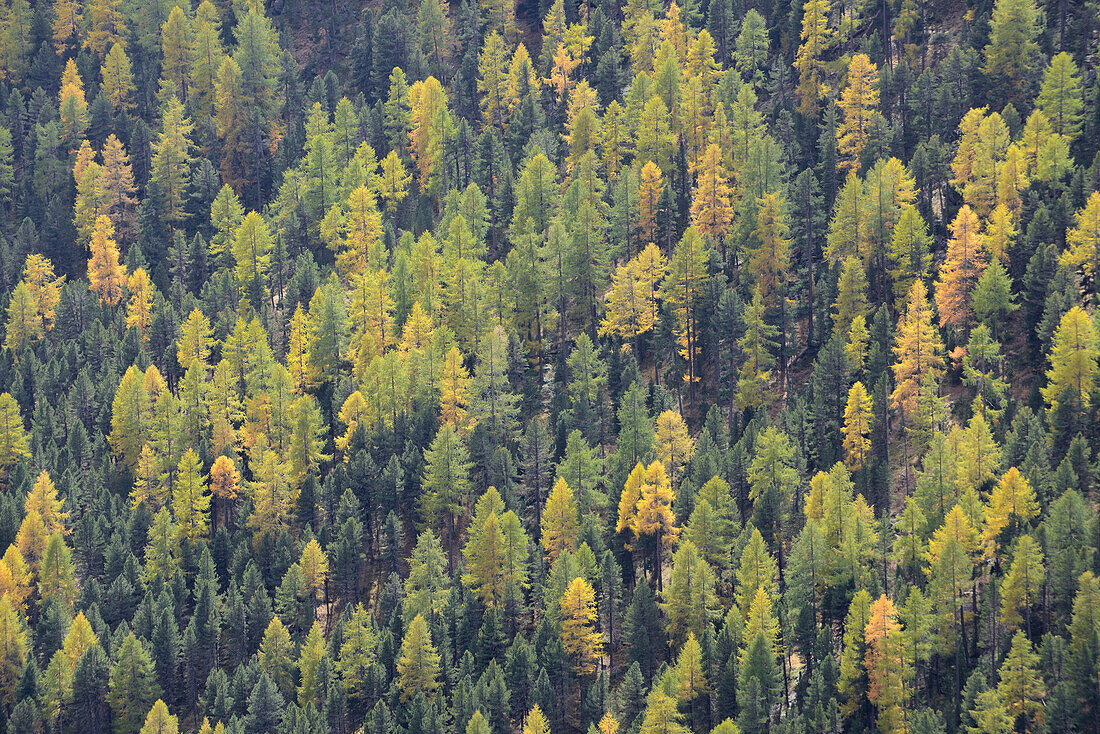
(1012, 506)
(14, 444)
(133, 685)
(560, 521)
(72, 106)
(1073, 363)
(418, 664)
(159, 721)
(68, 24)
(1012, 50)
(857, 427)
(190, 501)
(672, 443)
(650, 185)
(106, 275)
(966, 259)
(118, 79)
(817, 38)
(1060, 96)
(1022, 585)
(858, 103)
(711, 210)
(171, 162)
(1021, 688)
(583, 644)
(1083, 239)
(919, 351)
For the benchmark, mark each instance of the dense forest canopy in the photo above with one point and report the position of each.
(549, 366)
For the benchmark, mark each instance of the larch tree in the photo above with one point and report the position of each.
(1021, 688)
(711, 210)
(857, 427)
(1022, 586)
(919, 351)
(118, 79)
(160, 721)
(43, 499)
(582, 642)
(24, 326)
(887, 666)
(817, 38)
(966, 260)
(560, 521)
(72, 106)
(68, 25)
(672, 443)
(225, 487)
(454, 390)
(653, 522)
(175, 43)
(418, 662)
(190, 499)
(14, 646)
(195, 340)
(769, 260)
(139, 310)
(1083, 240)
(171, 162)
(1013, 49)
(683, 288)
(1012, 506)
(14, 442)
(632, 303)
(858, 106)
(1073, 363)
(106, 25)
(252, 246)
(118, 186)
(650, 186)
(1060, 96)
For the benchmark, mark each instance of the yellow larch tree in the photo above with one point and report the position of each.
(650, 186)
(817, 38)
(918, 351)
(888, 668)
(44, 287)
(632, 304)
(118, 186)
(1083, 239)
(858, 103)
(195, 340)
(106, 276)
(24, 325)
(672, 442)
(68, 25)
(72, 106)
(1012, 505)
(653, 521)
(560, 521)
(106, 25)
(711, 211)
(43, 499)
(966, 260)
(857, 427)
(1073, 362)
(118, 79)
(582, 643)
(139, 311)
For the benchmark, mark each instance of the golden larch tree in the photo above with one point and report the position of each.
(106, 275)
(858, 103)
